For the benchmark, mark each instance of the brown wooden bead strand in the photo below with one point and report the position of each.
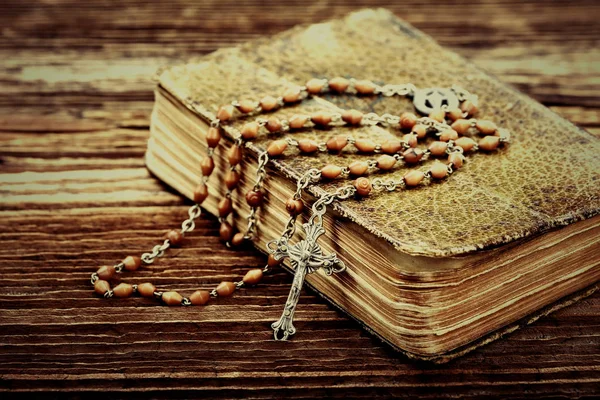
(225, 289)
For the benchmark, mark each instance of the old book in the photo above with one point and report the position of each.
(434, 271)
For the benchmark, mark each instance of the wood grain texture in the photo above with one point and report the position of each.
(74, 109)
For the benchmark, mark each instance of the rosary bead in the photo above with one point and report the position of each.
(413, 178)
(297, 121)
(225, 231)
(363, 186)
(175, 237)
(254, 198)
(386, 162)
(468, 107)
(339, 84)
(461, 126)
(489, 143)
(273, 125)
(172, 298)
(225, 207)
(146, 289)
(307, 146)
(364, 87)
(268, 103)
(410, 139)
(455, 114)
(438, 115)
(321, 118)
(337, 143)
(420, 130)
(365, 145)
(225, 113)
(408, 120)
(294, 206)
(234, 155)
(438, 148)
(132, 263)
(101, 287)
(250, 131)
(291, 95)
(247, 106)
(391, 146)
(331, 171)
(352, 117)
(456, 159)
(358, 168)
(272, 262)
(123, 290)
(439, 170)
(225, 289)
(465, 142)
(412, 156)
(315, 86)
(448, 134)
(200, 193)
(276, 148)
(253, 276)
(486, 127)
(200, 297)
(106, 272)
(232, 178)
(238, 239)
(213, 137)
(207, 165)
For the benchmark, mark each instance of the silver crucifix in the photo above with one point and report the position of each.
(305, 257)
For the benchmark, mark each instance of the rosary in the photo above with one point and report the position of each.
(447, 116)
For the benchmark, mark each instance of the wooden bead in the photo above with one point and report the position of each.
(146, 289)
(254, 198)
(468, 107)
(249, 131)
(331, 171)
(172, 298)
(247, 106)
(225, 231)
(199, 297)
(253, 276)
(225, 288)
(175, 237)
(321, 118)
(106, 272)
(276, 148)
(365, 145)
(297, 121)
(123, 290)
(352, 117)
(132, 263)
(101, 287)
(291, 95)
(358, 168)
(489, 143)
(486, 127)
(272, 261)
(438, 115)
(455, 114)
(419, 130)
(448, 134)
(461, 126)
(207, 165)
(363, 186)
(456, 159)
(307, 146)
(225, 207)
(410, 139)
(294, 206)
(268, 103)
(413, 178)
(339, 84)
(213, 137)
(225, 113)
(364, 87)
(407, 120)
(200, 193)
(439, 170)
(238, 239)
(273, 125)
(337, 143)
(465, 142)
(438, 148)
(234, 155)
(232, 179)
(386, 162)
(315, 86)
(391, 146)
(412, 156)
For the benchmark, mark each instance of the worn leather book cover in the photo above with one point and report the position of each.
(435, 270)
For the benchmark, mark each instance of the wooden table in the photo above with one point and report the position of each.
(76, 98)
